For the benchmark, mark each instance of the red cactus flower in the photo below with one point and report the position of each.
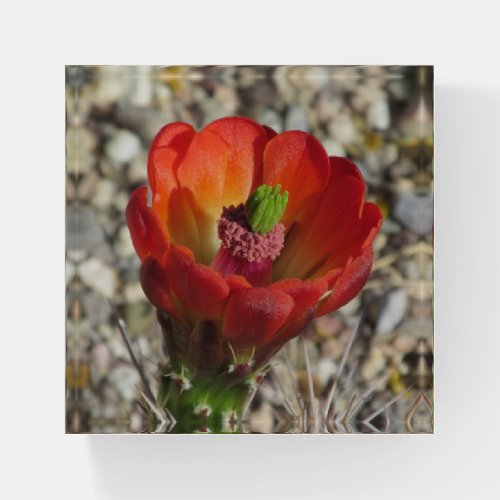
(204, 262)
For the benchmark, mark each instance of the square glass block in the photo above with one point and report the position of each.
(365, 368)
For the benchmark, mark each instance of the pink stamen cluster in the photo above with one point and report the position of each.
(237, 236)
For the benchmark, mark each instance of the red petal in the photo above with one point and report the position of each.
(335, 225)
(254, 315)
(246, 141)
(148, 233)
(349, 284)
(270, 132)
(165, 154)
(294, 326)
(236, 282)
(371, 220)
(200, 290)
(331, 276)
(298, 162)
(154, 281)
(342, 167)
(304, 293)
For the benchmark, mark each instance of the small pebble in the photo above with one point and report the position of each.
(123, 245)
(296, 119)
(103, 196)
(378, 115)
(123, 146)
(333, 148)
(374, 364)
(415, 212)
(393, 312)
(271, 119)
(125, 378)
(262, 420)
(133, 293)
(98, 276)
(83, 230)
(328, 325)
(351, 307)
(404, 342)
(137, 172)
(342, 129)
(102, 358)
(332, 348)
(324, 371)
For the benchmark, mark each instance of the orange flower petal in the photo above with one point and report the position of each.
(303, 293)
(298, 162)
(246, 141)
(349, 284)
(149, 236)
(202, 174)
(165, 154)
(254, 315)
(182, 222)
(200, 290)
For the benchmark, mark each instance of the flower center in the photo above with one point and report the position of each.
(238, 238)
(251, 236)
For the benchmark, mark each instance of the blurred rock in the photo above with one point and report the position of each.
(404, 343)
(393, 312)
(83, 230)
(103, 196)
(342, 129)
(80, 146)
(123, 146)
(95, 308)
(296, 119)
(101, 358)
(378, 115)
(120, 201)
(141, 91)
(374, 364)
(328, 325)
(350, 308)
(325, 369)
(333, 148)
(262, 420)
(137, 172)
(123, 245)
(98, 276)
(112, 83)
(415, 212)
(271, 119)
(125, 379)
(379, 242)
(133, 293)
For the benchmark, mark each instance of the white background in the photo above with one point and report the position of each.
(461, 461)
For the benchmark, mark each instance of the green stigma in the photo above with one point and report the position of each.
(264, 208)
